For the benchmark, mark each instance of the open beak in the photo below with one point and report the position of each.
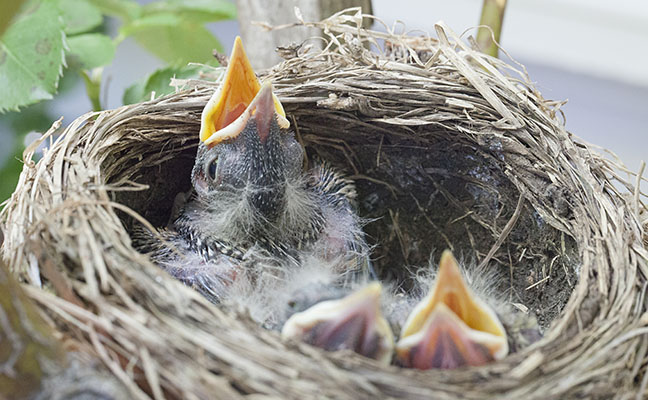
(451, 327)
(354, 322)
(229, 109)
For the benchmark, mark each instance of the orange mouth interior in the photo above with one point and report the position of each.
(238, 91)
(240, 86)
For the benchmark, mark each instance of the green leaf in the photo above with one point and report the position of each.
(79, 16)
(173, 39)
(127, 10)
(18, 124)
(135, 92)
(158, 82)
(10, 172)
(198, 11)
(91, 50)
(31, 56)
(32, 118)
(159, 20)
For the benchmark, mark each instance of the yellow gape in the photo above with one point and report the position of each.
(451, 327)
(229, 108)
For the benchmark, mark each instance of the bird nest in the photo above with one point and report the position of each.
(449, 148)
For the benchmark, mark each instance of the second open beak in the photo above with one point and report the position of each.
(228, 110)
(354, 322)
(451, 327)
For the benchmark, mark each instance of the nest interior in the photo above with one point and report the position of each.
(459, 152)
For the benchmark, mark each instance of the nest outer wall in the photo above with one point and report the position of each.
(459, 151)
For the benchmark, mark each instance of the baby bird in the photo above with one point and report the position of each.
(452, 327)
(254, 205)
(319, 305)
(338, 319)
(449, 327)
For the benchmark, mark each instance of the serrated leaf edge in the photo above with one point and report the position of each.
(62, 66)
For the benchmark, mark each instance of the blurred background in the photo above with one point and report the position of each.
(589, 52)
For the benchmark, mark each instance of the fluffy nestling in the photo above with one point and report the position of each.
(454, 319)
(254, 208)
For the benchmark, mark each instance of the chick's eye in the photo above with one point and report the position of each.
(211, 169)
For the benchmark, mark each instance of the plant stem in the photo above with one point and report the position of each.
(29, 351)
(34, 364)
(93, 87)
(493, 16)
(8, 9)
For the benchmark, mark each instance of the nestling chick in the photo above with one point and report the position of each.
(349, 320)
(453, 327)
(317, 303)
(455, 323)
(254, 205)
